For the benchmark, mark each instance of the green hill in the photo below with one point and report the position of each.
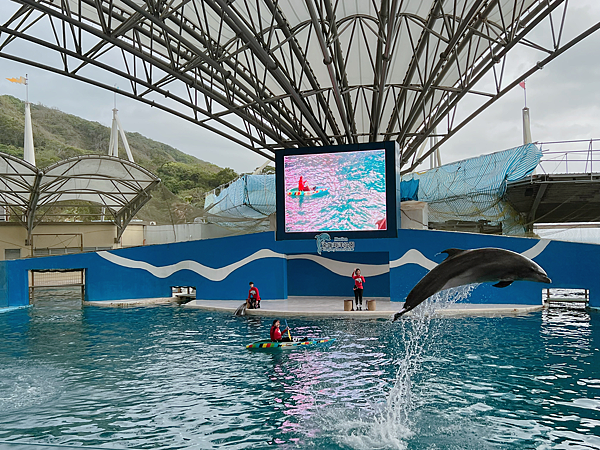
(58, 136)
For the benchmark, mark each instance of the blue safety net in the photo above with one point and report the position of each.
(246, 202)
(473, 189)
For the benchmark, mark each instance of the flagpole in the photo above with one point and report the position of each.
(522, 84)
(26, 89)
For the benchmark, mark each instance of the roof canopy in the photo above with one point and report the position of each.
(120, 186)
(272, 74)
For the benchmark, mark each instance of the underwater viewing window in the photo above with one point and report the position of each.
(345, 191)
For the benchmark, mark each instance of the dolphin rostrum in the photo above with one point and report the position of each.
(463, 267)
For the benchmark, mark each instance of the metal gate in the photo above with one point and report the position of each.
(56, 278)
(564, 297)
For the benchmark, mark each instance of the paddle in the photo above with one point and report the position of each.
(288, 330)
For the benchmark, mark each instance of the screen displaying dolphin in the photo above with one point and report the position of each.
(463, 267)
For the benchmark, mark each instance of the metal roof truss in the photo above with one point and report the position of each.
(273, 74)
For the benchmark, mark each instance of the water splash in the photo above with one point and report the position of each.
(26, 385)
(391, 426)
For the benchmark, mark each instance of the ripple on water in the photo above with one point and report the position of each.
(177, 378)
(27, 385)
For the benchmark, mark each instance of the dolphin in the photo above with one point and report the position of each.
(481, 265)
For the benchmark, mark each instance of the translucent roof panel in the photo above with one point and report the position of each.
(17, 178)
(273, 74)
(105, 180)
(120, 186)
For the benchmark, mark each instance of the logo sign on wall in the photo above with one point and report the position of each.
(339, 244)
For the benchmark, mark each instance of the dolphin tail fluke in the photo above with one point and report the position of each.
(399, 314)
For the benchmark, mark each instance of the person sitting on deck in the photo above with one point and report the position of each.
(253, 300)
(276, 335)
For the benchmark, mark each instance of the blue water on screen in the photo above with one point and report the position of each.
(170, 377)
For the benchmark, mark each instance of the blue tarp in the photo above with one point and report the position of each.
(248, 197)
(486, 174)
(472, 189)
(409, 190)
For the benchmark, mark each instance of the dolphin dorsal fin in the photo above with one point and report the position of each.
(502, 284)
(451, 252)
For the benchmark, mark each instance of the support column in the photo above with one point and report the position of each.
(28, 150)
(526, 127)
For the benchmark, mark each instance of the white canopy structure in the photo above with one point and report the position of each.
(119, 186)
(272, 74)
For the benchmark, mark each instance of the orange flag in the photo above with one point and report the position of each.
(19, 80)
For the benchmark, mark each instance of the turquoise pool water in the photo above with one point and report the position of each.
(169, 377)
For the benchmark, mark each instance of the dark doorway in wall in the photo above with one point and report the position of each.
(183, 294)
(57, 285)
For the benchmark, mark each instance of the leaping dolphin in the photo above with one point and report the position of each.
(481, 265)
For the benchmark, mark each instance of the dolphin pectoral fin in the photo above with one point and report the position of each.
(502, 284)
(451, 252)
(399, 314)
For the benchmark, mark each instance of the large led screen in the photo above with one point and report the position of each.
(343, 191)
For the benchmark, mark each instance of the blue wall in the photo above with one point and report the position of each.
(305, 275)
(3, 285)
(204, 265)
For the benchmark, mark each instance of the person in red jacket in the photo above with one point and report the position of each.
(253, 300)
(276, 335)
(358, 288)
(303, 185)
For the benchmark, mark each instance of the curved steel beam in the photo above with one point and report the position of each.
(538, 66)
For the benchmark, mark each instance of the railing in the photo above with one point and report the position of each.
(578, 156)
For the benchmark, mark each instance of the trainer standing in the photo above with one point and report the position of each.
(358, 288)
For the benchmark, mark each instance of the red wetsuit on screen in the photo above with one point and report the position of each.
(303, 185)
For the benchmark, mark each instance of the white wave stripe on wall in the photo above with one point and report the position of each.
(412, 256)
(207, 272)
(536, 249)
(344, 269)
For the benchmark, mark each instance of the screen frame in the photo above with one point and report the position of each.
(391, 184)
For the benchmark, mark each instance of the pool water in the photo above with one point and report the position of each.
(355, 198)
(171, 377)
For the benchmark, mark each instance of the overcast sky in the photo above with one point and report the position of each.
(563, 98)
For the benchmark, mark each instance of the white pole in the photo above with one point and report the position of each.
(125, 143)
(113, 146)
(526, 127)
(117, 129)
(28, 150)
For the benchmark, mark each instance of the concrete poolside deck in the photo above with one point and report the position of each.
(325, 307)
(334, 307)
